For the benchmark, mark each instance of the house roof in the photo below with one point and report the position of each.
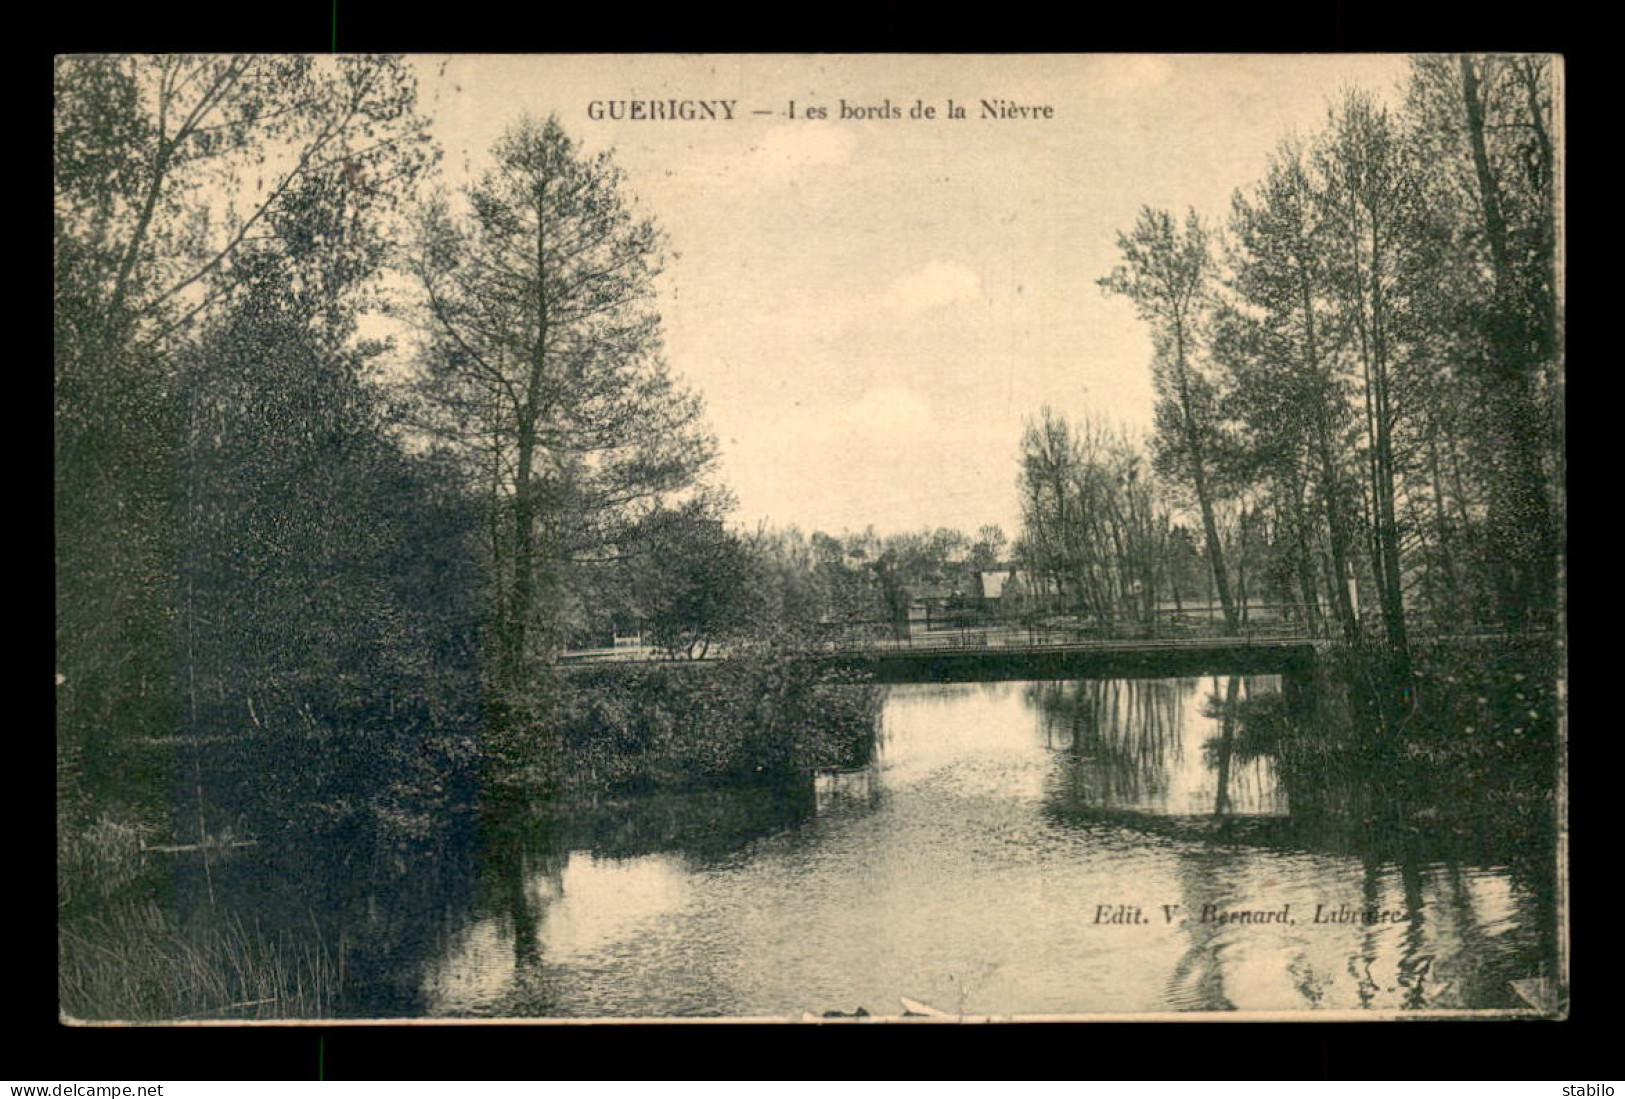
(993, 581)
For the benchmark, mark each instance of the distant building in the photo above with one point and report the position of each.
(931, 602)
(992, 582)
(1022, 592)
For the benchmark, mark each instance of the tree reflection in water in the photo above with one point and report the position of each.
(1476, 889)
(994, 820)
(528, 859)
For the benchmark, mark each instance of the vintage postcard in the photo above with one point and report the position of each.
(812, 538)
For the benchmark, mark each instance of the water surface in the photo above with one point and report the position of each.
(1014, 849)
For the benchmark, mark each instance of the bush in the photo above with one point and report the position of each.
(741, 720)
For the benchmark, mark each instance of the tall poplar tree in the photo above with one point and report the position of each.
(544, 368)
(1284, 351)
(1374, 209)
(1166, 273)
(1488, 123)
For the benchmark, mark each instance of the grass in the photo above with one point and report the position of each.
(99, 860)
(122, 956)
(135, 963)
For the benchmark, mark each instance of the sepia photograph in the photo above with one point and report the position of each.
(822, 539)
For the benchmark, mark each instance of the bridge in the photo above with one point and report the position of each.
(1007, 653)
(1113, 658)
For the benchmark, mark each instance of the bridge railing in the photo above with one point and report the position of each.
(1263, 624)
(882, 637)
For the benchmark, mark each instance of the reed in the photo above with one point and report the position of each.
(122, 956)
(134, 962)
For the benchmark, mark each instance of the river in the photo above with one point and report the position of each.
(1013, 849)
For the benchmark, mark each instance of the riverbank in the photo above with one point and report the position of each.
(126, 951)
(1466, 745)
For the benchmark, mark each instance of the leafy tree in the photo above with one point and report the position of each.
(785, 604)
(544, 370)
(1486, 122)
(848, 587)
(1166, 273)
(1376, 222)
(1388, 353)
(988, 551)
(180, 181)
(326, 605)
(1049, 457)
(168, 167)
(1095, 528)
(1284, 351)
(688, 578)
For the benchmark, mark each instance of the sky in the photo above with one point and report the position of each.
(871, 307)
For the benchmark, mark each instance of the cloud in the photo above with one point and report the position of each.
(931, 287)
